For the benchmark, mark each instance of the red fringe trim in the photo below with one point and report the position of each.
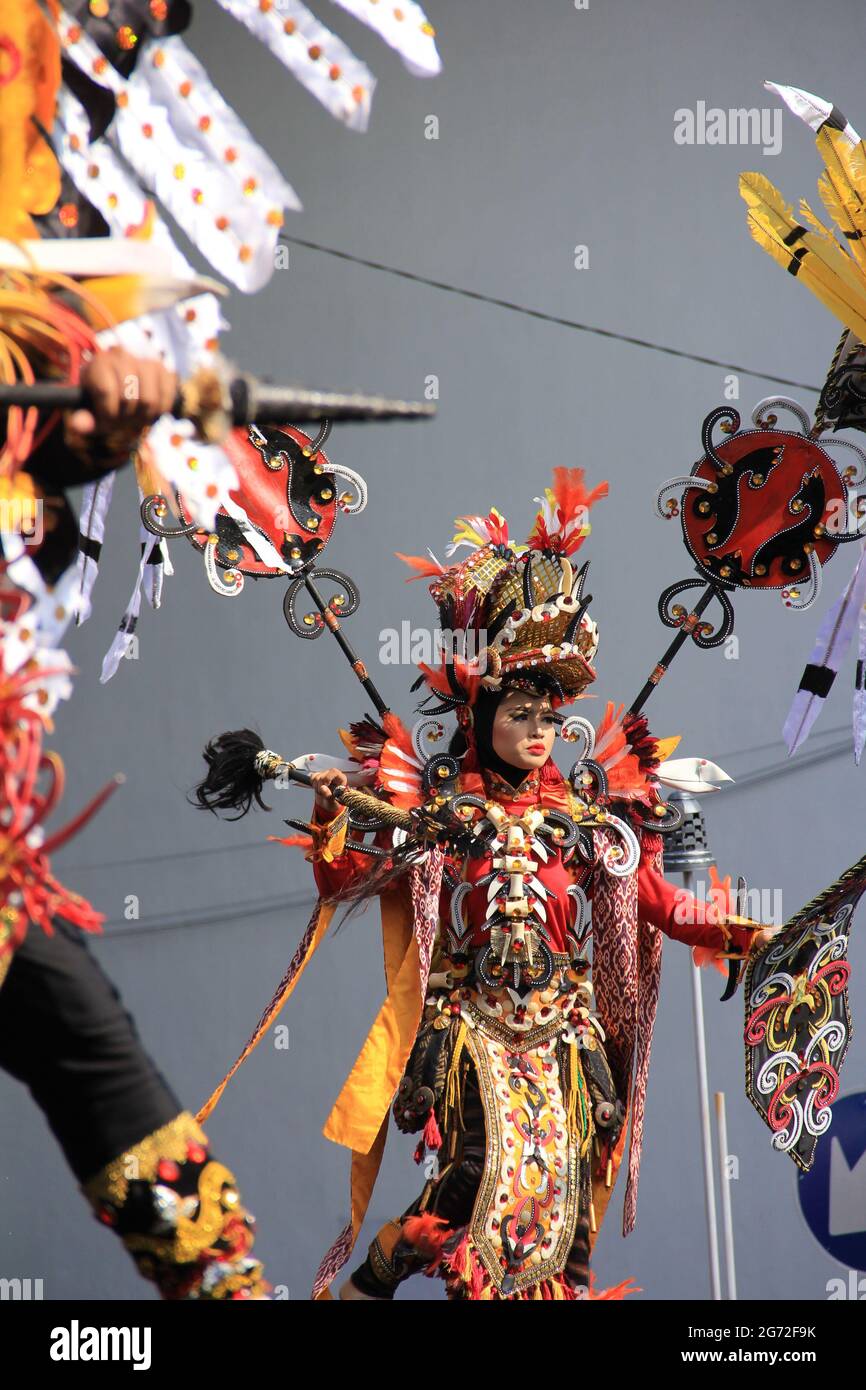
(304, 842)
(616, 1291)
(427, 1233)
(466, 1277)
(432, 1133)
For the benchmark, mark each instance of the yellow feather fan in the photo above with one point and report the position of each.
(814, 257)
(835, 274)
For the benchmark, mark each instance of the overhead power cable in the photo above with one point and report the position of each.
(541, 315)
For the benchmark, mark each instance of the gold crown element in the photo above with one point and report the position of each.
(525, 601)
(532, 609)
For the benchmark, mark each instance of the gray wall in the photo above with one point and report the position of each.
(556, 129)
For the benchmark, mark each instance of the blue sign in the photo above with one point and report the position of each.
(833, 1193)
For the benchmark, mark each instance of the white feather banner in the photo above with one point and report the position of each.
(202, 473)
(860, 690)
(203, 119)
(317, 58)
(185, 334)
(105, 181)
(184, 337)
(811, 109)
(34, 635)
(216, 182)
(91, 528)
(122, 643)
(404, 27)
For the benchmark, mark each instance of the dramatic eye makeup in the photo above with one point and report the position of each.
(523, 713)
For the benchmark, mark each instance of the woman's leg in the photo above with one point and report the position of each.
(142, 1161)
(391, 1258)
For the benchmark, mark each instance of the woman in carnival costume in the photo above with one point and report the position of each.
(519, 1075)
(141, 1160)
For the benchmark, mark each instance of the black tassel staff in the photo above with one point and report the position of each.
(239, 764)
(232, 782)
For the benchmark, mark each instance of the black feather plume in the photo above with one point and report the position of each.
(232, 783)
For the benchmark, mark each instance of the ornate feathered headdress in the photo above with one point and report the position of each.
(510, 610)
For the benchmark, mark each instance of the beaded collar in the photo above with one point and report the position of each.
(501, 790)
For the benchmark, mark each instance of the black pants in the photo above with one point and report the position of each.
(452, 1198)
(65, 1033)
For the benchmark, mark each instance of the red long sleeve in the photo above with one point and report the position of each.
(335, 874)
(672, 909)
(680, 915)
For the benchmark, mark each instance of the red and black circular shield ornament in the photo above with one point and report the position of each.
(773, 502)
(771, 499)
(766, 508)
(285, 503)
(276, 520)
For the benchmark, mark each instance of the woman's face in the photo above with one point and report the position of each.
(524, 729)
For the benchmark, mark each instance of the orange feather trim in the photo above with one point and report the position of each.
(466, 672)
(624, 773)
(304, 842)
(399, 773)
(427, 1233)
(425, 567)
(619, 1291)
(721, 902)
(397, 731)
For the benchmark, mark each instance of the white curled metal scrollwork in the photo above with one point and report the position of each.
(359, 501)
(761, 412)
(579, 731)
(226, 588)
(616, 861)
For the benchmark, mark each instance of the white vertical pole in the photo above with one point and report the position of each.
(727, 1222)
(706, 1132)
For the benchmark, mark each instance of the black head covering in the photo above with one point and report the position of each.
(484, 713)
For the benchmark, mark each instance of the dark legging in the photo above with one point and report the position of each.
(65, 1033)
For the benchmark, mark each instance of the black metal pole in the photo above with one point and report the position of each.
(250, 401)
(689, 624)
(332, 623)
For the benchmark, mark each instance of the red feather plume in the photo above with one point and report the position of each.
(561, 524)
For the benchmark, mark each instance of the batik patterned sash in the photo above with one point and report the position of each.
(525, 1214)
(626, 971)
